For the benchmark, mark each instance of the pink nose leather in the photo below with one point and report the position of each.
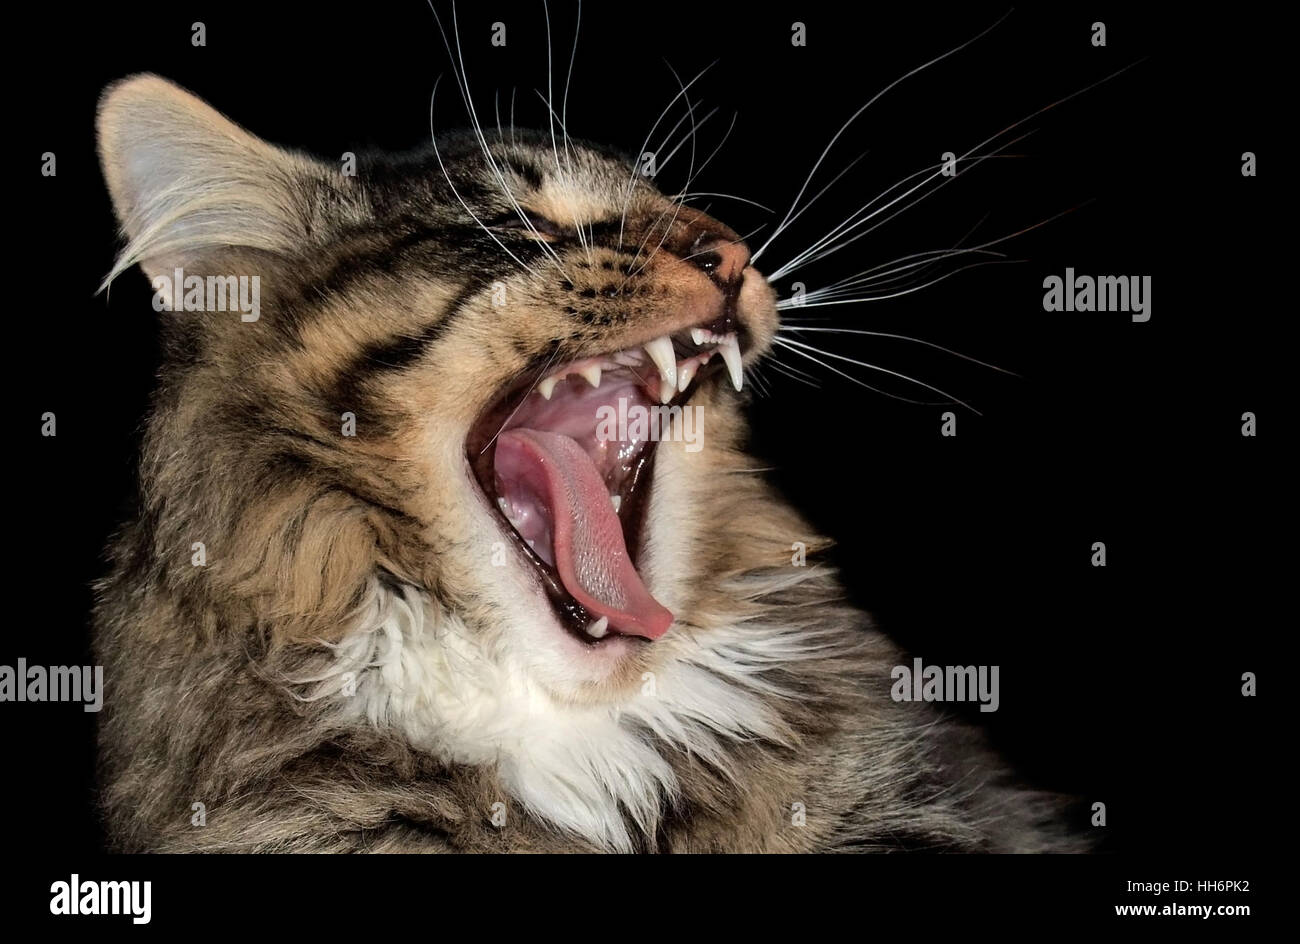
(722, 259)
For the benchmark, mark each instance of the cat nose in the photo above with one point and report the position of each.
(721, 259)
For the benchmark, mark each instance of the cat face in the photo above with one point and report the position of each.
(502, 371)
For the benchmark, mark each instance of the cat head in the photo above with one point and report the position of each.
(503, 371)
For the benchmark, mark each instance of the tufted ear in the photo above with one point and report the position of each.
(185, 180)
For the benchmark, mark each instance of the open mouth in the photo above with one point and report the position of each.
(570, 482)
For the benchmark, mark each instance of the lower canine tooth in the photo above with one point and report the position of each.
(686, 373)
(592, 375)
(729, 348)
(598, 629)
(547, 386)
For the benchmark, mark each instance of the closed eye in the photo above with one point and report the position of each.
(532, 223)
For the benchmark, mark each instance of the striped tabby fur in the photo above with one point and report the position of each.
(349, 671)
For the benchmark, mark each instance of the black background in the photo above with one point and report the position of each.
(1121, 684)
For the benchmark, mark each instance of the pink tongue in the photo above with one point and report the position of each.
(590, 555)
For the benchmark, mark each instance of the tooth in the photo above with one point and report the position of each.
(697, 335)
(547, 386)
(616, 501)
(729, 348)
(592, 375)
(505, 509)
(686, 372)
(661, 352)
(598, 629)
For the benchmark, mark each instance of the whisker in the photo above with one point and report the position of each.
(513, 143)
(785, 270)
(792, 372)
(827, 245)
(582, 237)
(542, 372)
(854, 116)
(796, 345)
(568, 79)
(850, 377)
(462, 83)
(550, 92)
(675, 206)
(659, 165)
(728, 196)
(787, 326)
(712, 154)
(865, 276)
(821, 301)
(756, 379)
(496, 108)
(434, 139)
(853, 163)
(631, 181)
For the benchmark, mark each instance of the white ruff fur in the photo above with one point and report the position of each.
(413, 668)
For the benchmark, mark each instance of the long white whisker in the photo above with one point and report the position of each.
(496, 109)
(675, 206)
(877, 367)
(513, 143)
(792, 372)
(434, 139)
(785, 270)
(854, 116)
(833, 181)
(582, 237)
(462, 83)
(789, 326)
(659, 165)
(568, 79)
(726, 196)
(550, 91)
(836, 299)
(712, 154)
(672, 133)
(631, 181)
(827, 245)
(865, 277)
(850, 377)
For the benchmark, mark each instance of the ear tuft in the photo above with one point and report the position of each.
(185, 180)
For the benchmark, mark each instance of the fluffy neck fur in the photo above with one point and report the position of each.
(410, 667)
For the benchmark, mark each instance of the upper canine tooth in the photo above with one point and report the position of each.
(697, 336)
(591, 374)
(547, 386)
(729, 348)
(661, 352)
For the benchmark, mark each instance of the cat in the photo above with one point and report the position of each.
(388, 590)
